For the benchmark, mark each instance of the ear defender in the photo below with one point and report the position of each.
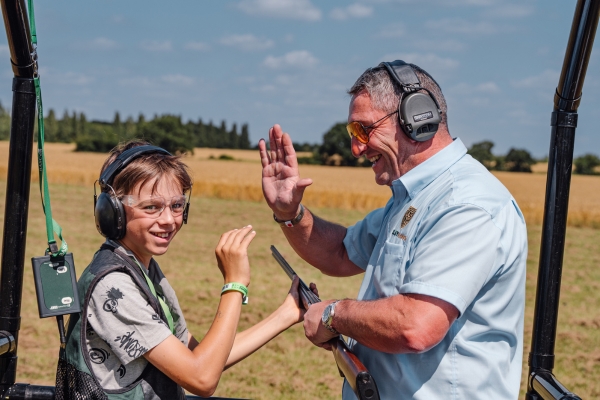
(109, 213)
(418, 113)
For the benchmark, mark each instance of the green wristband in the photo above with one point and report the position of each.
(237, 287)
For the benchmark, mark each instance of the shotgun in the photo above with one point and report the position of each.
(349, 366)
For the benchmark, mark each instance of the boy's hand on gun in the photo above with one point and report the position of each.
(232, 255)
(292, 305)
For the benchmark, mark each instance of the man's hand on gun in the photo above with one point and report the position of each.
(314, 329)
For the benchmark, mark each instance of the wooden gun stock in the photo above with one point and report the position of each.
(357, 375)
(350, 367)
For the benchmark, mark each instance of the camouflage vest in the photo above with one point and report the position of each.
(73, 377)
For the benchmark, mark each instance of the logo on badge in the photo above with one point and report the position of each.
(408, 216)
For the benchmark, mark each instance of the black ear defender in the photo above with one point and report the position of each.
(418, 113)
(110, 216)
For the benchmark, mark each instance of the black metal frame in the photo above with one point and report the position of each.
(541, 383)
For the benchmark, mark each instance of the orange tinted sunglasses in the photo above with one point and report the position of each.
(361, 132)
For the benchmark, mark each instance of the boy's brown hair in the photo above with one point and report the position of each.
(146, 168)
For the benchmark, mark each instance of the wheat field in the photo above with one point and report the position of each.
(340, 187)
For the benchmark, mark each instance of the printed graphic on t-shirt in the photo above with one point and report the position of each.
(131, 345)
(112, 302)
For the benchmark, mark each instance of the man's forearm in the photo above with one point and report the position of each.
(320, 243)
(397, 324)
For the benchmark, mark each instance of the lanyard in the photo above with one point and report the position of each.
(162, 303)
(51, 225)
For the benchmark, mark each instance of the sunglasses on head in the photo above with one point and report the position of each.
(361, 132)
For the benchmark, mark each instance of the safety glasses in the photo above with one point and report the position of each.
(361, 132)
(154, 206)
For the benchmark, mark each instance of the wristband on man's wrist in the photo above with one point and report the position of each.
(290, 223)
(237, 287)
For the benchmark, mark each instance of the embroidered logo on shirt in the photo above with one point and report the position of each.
(408, 216)
(398, 234)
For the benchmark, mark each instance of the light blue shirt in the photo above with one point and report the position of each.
(466, 244)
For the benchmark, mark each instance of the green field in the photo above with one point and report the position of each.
(289, 367)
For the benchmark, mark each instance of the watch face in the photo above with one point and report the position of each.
(325, 316)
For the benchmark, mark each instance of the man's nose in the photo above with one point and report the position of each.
(358, 148)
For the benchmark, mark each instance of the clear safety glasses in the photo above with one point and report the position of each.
(154, 206)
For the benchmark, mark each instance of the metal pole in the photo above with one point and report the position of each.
(18, 181)
(564, 124)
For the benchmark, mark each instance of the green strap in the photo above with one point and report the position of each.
(32, 22)
(51, 225)
(162, 303)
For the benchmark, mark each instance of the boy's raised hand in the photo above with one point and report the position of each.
(232, 255)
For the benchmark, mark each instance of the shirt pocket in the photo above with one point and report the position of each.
(389, 270)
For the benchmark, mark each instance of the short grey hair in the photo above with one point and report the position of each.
(385, 93)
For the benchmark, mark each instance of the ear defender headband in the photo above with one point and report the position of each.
(418, 113)
(110, 216)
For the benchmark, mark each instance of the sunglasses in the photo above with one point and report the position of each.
(361, 132)
(154, 206)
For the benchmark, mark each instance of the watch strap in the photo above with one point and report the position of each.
(295, 221)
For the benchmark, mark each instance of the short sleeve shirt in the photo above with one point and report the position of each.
(123, 326)
(452, 231)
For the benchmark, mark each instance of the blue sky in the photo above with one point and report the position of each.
(291, 61)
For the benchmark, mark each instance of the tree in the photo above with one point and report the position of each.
(482, 152)
(336, 148)
(50, 126)
(233, 137)
(244, 138)
(518, 160)
(586, 164)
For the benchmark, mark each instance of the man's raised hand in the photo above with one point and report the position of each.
(282, 187)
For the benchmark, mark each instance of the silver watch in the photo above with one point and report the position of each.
(327, 317)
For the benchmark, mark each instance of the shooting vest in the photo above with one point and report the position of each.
(73, 377)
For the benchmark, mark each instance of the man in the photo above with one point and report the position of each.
(439, 314)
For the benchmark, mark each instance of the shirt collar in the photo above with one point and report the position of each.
(423, 174)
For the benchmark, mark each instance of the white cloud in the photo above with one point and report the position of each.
(247, 42)
(197, 46)
(294, 59)
(293, 9)
(392, 31)
(482, 88)
(450, 45)
(102, 43)
(352, 11)
(545, 79)
(178, 79)
(510, 11)
(426, 61)
(458, 25)
(156, 45)
(117, 18)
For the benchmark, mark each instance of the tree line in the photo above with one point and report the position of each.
(520, 160)
(167, 131)
(171, 133)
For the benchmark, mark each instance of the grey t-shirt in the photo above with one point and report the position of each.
(123, 326)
